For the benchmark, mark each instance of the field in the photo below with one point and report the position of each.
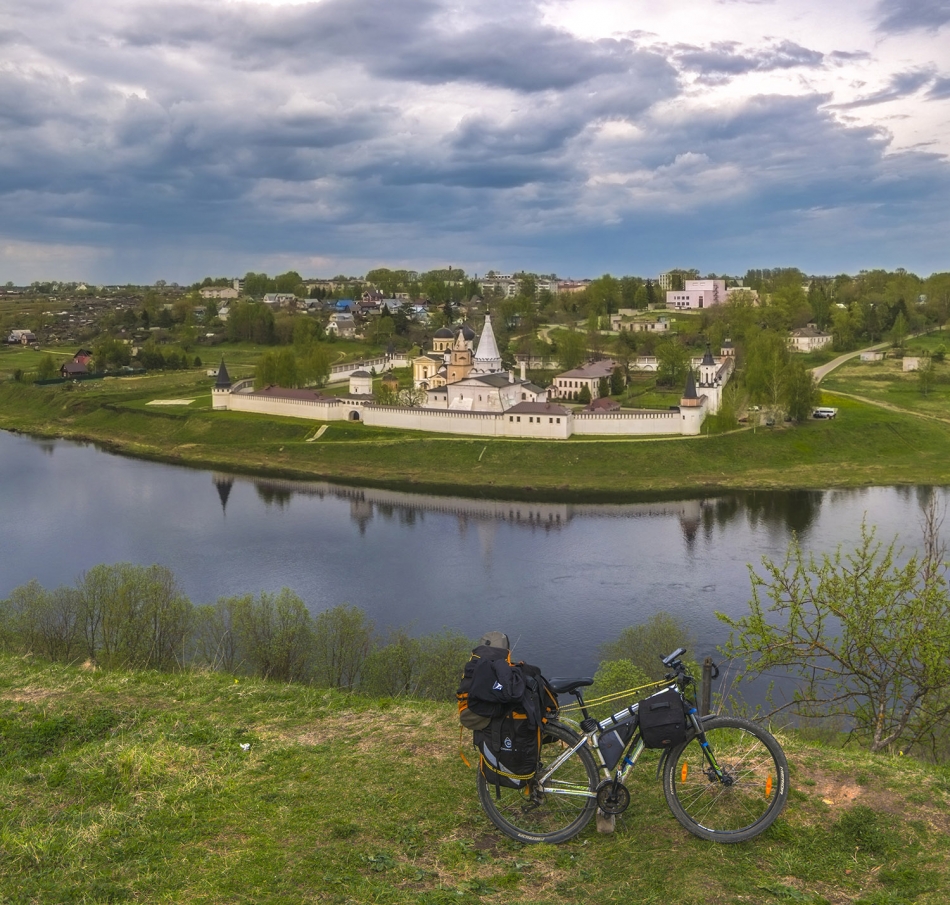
(145, 787)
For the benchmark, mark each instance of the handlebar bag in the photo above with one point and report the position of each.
(662, 719)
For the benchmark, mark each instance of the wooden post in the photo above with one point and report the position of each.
(707, 687)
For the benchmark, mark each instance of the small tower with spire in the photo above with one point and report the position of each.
(221, 389)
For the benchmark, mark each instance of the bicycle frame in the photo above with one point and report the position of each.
(635, 747)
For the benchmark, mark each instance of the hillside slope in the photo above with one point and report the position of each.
(200, 788)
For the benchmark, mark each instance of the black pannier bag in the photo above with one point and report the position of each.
(662, 719)
(508, 750)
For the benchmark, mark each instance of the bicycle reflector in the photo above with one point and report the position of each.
(684, 771)
(768, 786)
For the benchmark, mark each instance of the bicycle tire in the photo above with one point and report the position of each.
(753, 797)
(540, 814)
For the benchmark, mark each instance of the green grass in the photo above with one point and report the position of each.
(136, 788)
(864, 445)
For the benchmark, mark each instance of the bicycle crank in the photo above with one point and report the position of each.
(613, 797)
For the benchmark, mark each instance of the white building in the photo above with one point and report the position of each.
(569, 384)
(809, 338)
(697, 294)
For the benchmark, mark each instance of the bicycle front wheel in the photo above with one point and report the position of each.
(751, 793)
(555, 810)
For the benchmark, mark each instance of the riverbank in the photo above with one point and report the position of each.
(864, 446)
(123, 786)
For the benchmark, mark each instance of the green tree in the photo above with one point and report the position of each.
(46, 370)
(800, 392)
(673, 361)
(276, 634)
(343, 640)
(645, 644)
(618, 381)
(571, 349)
(583, 395)
(863, 632)
(603, 387)
(899, 331)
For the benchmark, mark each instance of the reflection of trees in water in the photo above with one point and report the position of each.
(793, 510)
(273, 496)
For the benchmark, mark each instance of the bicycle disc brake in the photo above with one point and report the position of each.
(613, 797)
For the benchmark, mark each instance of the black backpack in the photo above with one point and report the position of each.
(490, 684)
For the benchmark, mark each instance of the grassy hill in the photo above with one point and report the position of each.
(121, 787)
(864, 446)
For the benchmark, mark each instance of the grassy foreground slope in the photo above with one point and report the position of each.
(864, 445)
(196, 788)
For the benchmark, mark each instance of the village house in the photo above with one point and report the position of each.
(569, 384)
(809, 338)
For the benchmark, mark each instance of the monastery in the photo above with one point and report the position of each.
(468, 391)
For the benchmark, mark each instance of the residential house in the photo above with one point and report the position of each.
(342, 324)
(569, 384)
(73, 370)
(809, 338)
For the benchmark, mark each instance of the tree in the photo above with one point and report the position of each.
(801, 393)
(645, 644)
(672, 363)
(571, 349)
(46, 369)
(899, 331)
(583, 395)
(343, 640)
(617, 381)
(864, 632)
(603, 387)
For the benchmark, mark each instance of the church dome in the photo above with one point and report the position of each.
(442, 333)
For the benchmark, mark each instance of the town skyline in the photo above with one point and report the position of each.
(160, 140)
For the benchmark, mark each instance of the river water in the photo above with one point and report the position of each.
(559, 578)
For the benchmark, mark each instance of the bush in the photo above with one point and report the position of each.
(344, 638)
(275, 635)
(426, 667)
(644, 645)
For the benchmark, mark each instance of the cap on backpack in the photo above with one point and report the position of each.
(494, 639)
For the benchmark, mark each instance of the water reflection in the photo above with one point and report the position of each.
(775, 511)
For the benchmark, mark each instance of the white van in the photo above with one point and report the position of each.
(824, 413)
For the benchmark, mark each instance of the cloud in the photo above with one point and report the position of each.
(901, 85)
(723, 59)
(175, 139)
(898, 16)
(940, 89)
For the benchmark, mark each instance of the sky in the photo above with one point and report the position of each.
(176, 139)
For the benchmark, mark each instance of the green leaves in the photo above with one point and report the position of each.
(865, 632)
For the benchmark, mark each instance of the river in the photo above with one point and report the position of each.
(559, 578)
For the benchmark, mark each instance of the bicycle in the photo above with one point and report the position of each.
(727, 782)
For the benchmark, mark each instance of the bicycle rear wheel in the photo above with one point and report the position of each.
(752, 794)
(555, 811)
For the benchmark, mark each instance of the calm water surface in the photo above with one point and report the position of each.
(560, 578)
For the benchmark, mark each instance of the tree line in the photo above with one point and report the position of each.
(127, 616)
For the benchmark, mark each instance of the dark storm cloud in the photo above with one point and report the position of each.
(415, 127)
(909, 15)
(407, 41)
